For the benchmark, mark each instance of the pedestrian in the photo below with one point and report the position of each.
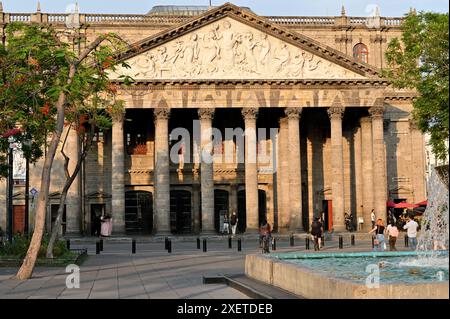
(392, 232)
(106, 227)
(316, 233)
(226, 225)
(379, 241)
(97, 224)
(373, 217)
(264, 236)
(411, 230)
(234, 222)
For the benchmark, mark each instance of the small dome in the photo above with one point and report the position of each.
(173, 10)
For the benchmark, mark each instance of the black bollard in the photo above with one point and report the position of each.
(307, 243)
(133, 246)
(323, 241)
(97, 248)
(274, 244)
(239, 244)
(169, 246)
(373, 242)
(166, 243)
(68, 244)
(198, 243)
(406, 241)
(291, 240)
(229, 242)
(101, 244)
(353, 240)
(341, 242)
(204, 245)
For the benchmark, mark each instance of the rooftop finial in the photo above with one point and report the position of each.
(343, 11)
(377, 11)
(38, 9)
(1, 6)
(76, 7)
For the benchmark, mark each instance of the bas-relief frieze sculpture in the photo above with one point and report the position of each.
(228, 49)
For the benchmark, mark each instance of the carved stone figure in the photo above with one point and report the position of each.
(281, 58)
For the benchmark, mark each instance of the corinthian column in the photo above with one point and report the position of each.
(337, 167)
(379, 162)
(206, 170)
(162, 173)
(251, 169)
(295, 185)
(367, 170)
(118, 175)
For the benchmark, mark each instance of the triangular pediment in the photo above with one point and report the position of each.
(233, 43)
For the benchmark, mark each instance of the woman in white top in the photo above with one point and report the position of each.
(392, 232)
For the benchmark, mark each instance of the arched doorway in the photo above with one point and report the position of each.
(220, 208)
(242, 220)
(242, 215)
(262, 206)
(180, 212)
(138, 212)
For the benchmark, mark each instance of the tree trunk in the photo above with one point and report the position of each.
(26, 270)
(57, 222)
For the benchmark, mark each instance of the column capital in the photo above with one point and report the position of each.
(161, 114)
(118, 116)
(206, 114)
(376, 111)
(335, 112)
(293, 112)
(250, 113)
(366, 119)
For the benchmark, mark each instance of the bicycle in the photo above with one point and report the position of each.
(266, 245)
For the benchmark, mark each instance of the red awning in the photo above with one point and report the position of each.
(405, 205)
(423, 203)
(390, 204)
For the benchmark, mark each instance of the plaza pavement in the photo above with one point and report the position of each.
(153, 272)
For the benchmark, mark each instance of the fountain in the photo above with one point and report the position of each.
(404, 274)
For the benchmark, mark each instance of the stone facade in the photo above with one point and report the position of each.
(343, 140)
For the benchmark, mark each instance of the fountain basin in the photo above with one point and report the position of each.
(344, 276)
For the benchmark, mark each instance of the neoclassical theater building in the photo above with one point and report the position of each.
(338, 138)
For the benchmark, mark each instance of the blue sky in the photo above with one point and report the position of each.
(262, 7)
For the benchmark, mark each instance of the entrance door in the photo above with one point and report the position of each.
(262, 206)
(54, 213)
(220, 208)
(96, 212)
(242, 220)
(18, 219)
(180, 212)
(138, 212)
(328, 210)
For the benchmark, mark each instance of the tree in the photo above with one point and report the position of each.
(420, 61)
(46, 84)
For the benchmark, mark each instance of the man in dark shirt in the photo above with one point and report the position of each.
(316, 232)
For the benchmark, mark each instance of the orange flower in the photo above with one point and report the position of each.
(45, 109)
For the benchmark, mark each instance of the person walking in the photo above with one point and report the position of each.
(264, 236)
(373, 217)
(379, 241)
(233, 222)
(316, 233)
(392, 232)
(411, 230)
(226, 224)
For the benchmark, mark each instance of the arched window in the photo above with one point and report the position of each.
(360, 53)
